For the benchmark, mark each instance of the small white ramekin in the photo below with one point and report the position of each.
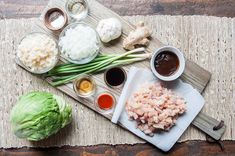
(181, 67)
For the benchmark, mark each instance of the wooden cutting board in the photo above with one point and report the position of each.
(194, 74)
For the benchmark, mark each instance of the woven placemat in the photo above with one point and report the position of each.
(209, 41)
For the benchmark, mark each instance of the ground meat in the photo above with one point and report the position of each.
(154, 108)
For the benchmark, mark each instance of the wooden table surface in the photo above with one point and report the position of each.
(33, 8)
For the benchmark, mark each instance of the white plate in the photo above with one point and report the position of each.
(164, 140)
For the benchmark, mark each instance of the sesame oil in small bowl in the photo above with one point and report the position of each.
(84, 86)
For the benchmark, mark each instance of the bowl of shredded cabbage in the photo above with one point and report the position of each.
(37, 52)
(79, 43)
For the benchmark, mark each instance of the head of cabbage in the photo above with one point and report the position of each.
(37, 115)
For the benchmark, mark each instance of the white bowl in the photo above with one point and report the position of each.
(180, 69)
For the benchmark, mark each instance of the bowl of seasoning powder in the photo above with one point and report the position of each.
(84, 86)
(167, 63)
(55, 19)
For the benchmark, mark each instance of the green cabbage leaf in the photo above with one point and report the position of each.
(37, 115)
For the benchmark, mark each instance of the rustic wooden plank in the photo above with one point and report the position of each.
(207, 123)
(188, 148)
(21, 8)
(32, 8)
(194, 74)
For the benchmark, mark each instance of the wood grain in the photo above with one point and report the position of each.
(189, 148)
(33, 8)
(208, 41)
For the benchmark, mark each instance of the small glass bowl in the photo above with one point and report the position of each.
(78, 80)
(83, 60)
(105, 111)
(46, 69)
(112, 86)
(77, 9)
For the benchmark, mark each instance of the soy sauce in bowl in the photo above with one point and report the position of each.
(115, 77)
(166, 63)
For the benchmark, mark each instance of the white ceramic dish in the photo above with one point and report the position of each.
(164, 140)
(180, 69)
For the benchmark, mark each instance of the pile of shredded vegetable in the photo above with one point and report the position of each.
(79, 42)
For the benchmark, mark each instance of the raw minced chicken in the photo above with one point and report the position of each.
(154, 108)
(38, 52)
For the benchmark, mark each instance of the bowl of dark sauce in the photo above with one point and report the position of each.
(115, 77)
(167, 63)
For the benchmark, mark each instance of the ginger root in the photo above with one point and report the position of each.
(139, 36)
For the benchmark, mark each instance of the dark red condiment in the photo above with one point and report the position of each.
(105, 101)
(166, 63)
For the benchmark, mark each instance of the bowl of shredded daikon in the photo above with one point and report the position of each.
(79, 43)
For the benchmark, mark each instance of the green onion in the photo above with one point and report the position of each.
(65, 73)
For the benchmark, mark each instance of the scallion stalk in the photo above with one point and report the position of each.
(63, 74)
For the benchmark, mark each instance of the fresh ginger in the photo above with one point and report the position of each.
(139, 36)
